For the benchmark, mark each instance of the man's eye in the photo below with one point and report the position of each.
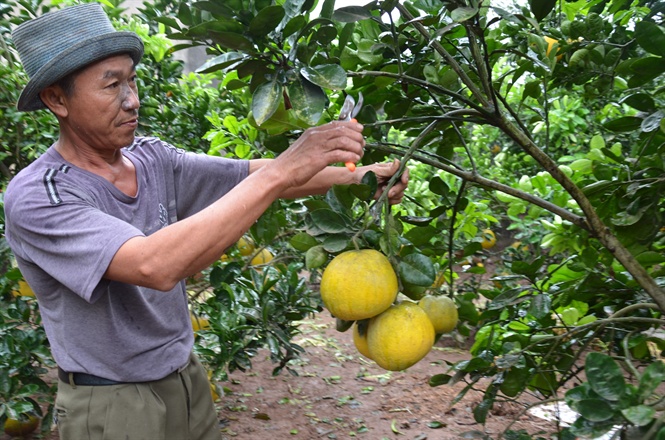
(112, 85)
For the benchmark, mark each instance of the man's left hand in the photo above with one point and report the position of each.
(384, 171)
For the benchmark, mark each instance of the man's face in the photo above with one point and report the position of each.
(103, 108)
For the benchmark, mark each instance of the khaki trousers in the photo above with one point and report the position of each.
(178, 407)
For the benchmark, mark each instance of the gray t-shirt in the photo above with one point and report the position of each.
(65, 224)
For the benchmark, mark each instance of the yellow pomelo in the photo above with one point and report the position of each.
(213, 391)
(246, 246)
(24, 289)
(489, 239)
(22, 427)
(263, 257)
(400, 337)
(198, 322)
(358, 284)
(550, 44)
(361, 341)
(442, 311)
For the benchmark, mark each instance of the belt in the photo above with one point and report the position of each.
(84, 379)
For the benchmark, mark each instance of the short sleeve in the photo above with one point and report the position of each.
(73, 241)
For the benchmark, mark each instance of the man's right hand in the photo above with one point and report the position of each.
(318, 147)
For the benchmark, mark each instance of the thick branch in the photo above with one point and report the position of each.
(491, 184)
(596, 225)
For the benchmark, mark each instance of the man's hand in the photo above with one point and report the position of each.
(384, 172)
(319, 147)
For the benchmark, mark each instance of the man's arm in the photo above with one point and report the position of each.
(162, 259)
(335, 175)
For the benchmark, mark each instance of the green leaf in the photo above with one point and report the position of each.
(294, 25)
(652, 122)
(482, 409)
(651, 378)
(351, 14)
(266, 20)
(436, 424)
(231, 40)
(185, 14)
(417, 269)
(336, 243)
(439, 379)
(651, 37)
(438, 186)
(640, 101)
(588, 429)
(327, 76)
(328, 221)
(640, 415)
(221, 62)
(650, 258)
(216, 8)
(595, 410)
(302, 241)
(514, 381)
(541, 8)
(625, 123)
(645, 69)
(370, 180)
(315, 257)
(362, 192)
(307, 100)
(540, 306)
(604, 376)
(266, 99)
(327, 8)
(463, 14)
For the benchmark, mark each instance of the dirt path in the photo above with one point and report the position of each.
(338, 394)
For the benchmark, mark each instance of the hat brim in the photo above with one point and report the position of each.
(80, 55)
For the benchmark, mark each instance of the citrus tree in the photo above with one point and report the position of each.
(546, 118)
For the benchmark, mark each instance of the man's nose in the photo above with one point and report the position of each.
(130, 99)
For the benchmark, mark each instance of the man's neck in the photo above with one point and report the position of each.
(111, 164)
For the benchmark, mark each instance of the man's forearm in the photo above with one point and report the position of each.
(319, 184)
(162, 259)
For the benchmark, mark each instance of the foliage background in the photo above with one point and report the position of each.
(543, 122)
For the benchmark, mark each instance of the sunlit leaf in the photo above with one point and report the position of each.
(328, 76)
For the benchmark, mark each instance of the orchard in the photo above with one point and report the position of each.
(533, 228)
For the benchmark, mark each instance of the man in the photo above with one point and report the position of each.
(105, 226)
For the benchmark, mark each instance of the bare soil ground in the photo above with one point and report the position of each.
(338, 394)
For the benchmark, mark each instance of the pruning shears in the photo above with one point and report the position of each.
(349, 111)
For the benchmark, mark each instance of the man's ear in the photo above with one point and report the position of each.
(54, 98)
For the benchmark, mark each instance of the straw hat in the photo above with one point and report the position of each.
(61, 42)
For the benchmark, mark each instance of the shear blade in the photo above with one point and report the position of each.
(347, 108)
(358, 106)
